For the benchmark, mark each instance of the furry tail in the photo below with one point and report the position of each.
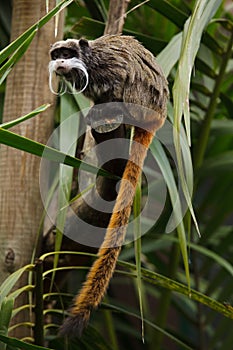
(101, 272)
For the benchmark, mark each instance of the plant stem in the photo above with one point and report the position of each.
(165, 299)
(111, 330)
(199, 150)
(199, 313)
(39, 305)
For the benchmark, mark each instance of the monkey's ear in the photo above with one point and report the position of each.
(83, 43)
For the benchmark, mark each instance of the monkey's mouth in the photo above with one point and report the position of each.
(67, 75)
(63, 71)
(72, 75)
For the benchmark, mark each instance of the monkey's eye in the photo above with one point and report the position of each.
(55, 54)
(63, 53)
(66, 54)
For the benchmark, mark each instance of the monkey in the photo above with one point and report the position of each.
(112, 68)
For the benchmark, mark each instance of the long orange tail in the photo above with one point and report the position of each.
(101, 272)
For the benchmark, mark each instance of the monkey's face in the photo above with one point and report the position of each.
(62, 59)
(66, 62)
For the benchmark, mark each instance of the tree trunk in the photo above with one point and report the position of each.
(27, 88)
(116, 16)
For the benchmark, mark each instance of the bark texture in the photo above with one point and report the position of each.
(27, 88)
(116, 16)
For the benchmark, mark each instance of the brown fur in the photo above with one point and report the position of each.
(120, 70)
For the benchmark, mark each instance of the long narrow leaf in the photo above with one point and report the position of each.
(193, 31)
(219, 260)
(9, 283)
(176, 220)
(19, 120)
(178, 17)
(5, 315)
(166, 333)
(24, 144)
(6, 68)
(157, 279)
(138, 248)
(20, 344)
(170, 11)
(68, 142)
(169, 56)
(17, 292)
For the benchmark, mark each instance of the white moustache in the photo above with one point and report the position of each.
(63, 66)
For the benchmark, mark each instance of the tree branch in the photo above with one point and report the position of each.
(116, 16)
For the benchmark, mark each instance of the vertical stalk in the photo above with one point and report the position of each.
(110, 330)
(165, 299)
(138, 249)
(199, 150)
(200, 314)
(39, 304)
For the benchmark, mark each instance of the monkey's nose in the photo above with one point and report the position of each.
(62, 66)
